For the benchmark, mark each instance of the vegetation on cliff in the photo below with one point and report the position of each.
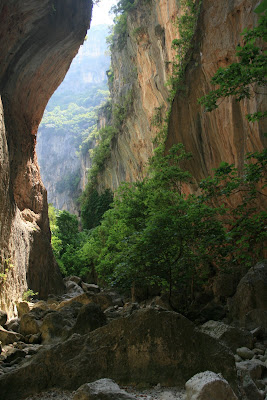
(155, 233)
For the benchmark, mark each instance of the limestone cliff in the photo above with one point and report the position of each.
(39, 38)
(141, 69)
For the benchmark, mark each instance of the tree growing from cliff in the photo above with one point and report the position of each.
(247, 76)
(155, 234)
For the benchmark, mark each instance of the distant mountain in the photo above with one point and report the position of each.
(69, 119)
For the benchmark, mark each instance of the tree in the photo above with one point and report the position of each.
(248, 75)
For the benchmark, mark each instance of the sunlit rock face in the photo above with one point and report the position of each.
(224, 134)
(143, 67)
(39, 38)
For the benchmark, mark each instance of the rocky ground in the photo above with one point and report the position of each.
(55, 347)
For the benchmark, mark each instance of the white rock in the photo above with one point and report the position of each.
(103, 389)
(208, 385)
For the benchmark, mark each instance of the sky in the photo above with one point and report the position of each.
(101, 12)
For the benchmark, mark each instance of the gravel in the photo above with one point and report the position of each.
(156, 393)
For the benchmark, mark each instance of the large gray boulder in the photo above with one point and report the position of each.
(103, 389)
(148, 347)
(232, 337)
(248, 307)
(207, 386)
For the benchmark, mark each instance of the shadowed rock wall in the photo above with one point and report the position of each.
(38, 40)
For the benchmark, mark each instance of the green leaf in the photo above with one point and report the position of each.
(261, 8)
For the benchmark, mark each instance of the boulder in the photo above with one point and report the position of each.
(232, 337)
(90, 317)
(104, 300)
(255, 368)
(29, 324)
(57, 324)
(248, 307)
(13, 325)
(73, 278)
(7, 337)
(90, 287)
(54, 327)
(208, 385)
(41, 305)
(103, 389)
(250, 389)
(148, 347)
(3, 317)
(245, 353)
(73, 288)
(23, 307)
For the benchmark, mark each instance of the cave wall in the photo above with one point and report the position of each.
(142, 68)
(39, 39)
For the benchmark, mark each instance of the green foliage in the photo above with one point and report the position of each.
(186, 24)
(154, 234)
(248, 75)
(29, 294)
(67, 241)
(6, 268)
(118, 37)
(101, 152)
(94, 205)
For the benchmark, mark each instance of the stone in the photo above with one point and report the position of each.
(258, 332)
(23, 307)
(245, 353)
(73, 278)
(7, 337)
(25, 232)
(54, 327)
(29, 324)
(57, 324)
(90, 317)
(73, 288)
(41, 305)
(232, 337)
(90, 287)
(13, 325)
(3, 317)
(103, 389)
(144, 347)
(15, 354)
(35, 339)
(250, 388)
(104, 300)
(254, 368)
(249, 304)
(208, 385)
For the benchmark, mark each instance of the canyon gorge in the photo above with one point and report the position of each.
(75, 332)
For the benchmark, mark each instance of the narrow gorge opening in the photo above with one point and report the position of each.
(154, 278)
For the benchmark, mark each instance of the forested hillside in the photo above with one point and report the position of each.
(66, 131)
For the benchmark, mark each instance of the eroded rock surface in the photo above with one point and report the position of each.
(141, 69)
(38, 42)
(147, 346)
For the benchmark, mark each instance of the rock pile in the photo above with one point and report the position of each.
(90, 334)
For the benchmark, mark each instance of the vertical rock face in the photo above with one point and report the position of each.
(39, 38)
(224, 134)
(142, 68)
